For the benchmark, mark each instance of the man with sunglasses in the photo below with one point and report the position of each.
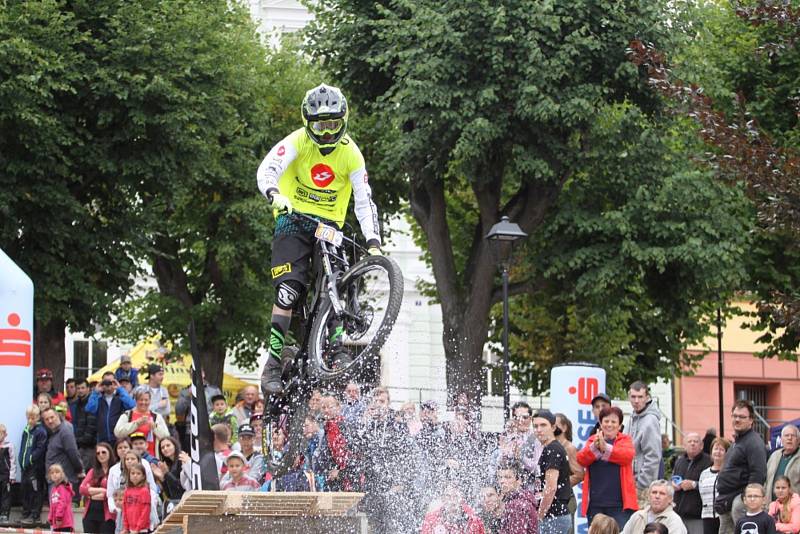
(314, 170)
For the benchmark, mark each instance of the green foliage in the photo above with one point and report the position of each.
(62, 215)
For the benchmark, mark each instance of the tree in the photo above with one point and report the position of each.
(489, 101)
(752, 138)
(63, 217)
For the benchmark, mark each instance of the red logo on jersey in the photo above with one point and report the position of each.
(281, 150)
(322, 175)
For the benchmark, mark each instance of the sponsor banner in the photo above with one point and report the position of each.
(16, 347)
(572, 388)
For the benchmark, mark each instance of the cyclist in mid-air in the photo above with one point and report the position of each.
(313, 171)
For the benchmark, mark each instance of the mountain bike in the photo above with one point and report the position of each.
(354, 295)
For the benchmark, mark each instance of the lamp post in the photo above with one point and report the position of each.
(503, 235)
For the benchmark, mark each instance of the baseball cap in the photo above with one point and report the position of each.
(137, 435)
(236, 454)
(125, 358)
(154, 368)
(44, 374)
(246, 430)
(546, 414)
(601, 396)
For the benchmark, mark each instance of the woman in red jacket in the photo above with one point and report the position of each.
(136, 503)
(453, 517)
(608, 484)
(97, 517)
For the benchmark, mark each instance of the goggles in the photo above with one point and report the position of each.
(327, 126)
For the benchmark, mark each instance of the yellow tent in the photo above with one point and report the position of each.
(177, 375)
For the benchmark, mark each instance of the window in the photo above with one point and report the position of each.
(99, 355)
(80, 359)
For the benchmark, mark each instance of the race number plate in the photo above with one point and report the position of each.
(329, 234)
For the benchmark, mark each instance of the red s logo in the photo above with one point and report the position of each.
(322, 175)
(281, 150)
(587, 389)
(15, 343)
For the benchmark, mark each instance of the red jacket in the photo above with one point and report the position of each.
(336, 442)
(60, 515)
(622, 453)
(435, 521)
(84, 490)
(136, 508)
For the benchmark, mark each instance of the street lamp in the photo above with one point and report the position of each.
(503, 235)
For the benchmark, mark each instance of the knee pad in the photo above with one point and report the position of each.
(288, 294)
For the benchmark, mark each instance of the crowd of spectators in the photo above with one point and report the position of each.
(113, 449)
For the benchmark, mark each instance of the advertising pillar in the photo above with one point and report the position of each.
(16, 346)
(572, 388)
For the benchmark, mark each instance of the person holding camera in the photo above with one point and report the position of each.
(107, 403)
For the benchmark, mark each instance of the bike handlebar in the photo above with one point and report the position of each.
(309, 218)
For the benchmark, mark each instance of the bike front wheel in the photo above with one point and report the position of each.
(371, 293)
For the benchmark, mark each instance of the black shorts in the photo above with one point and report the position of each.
(293, 248)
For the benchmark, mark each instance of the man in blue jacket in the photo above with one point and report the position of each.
(107, 403)
(32, 451)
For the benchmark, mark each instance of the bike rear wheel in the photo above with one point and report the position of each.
(371, 292)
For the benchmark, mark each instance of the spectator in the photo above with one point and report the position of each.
(659, 509)
(119, 502)
(173, 471)
(315, 449)
(656, 528)
(32, 451)
(139, 445)
(96, 516)
(184, 405)
(525, 447)
(44, 384)
(138, 502)
(600, 401)
(353, 406)
(159, 396)
(83, 423)
(755, 520)
(222, 447)
(253, 459)
(707, 485)
(106, 403)
(61, 447)
(69, 390)
(607, 458)
(519, 504)
(314, 403)
(685, 482)
(460, 452)
(745, 463)
(118, 473)
(125, 371)
(408, 415)
(142, 420)
(236, 479)
(785, 509)
(490, 509)
(554, 472)
(454, 516)
(338, 460)
(256, 421)
(8, 474)
(603, 524)
(244, 409)
(563, 434)
(44, 402)
(645, 432)
(61, 493)
(429, 442)
(785, 461)
(126, 385)
(222, 415)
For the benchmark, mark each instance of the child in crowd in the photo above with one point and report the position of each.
(136, 502)
(785, 509)
(119, 501)
(125, 371)
(139, 444)
(222, 415)
(8, 473)
(756, 520)
(222, 447)
(236, 479)
(33, 447)
(61, 493)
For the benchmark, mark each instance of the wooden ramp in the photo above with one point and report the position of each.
(201, 512)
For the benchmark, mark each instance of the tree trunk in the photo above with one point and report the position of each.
(212, 358)
(49, 350)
